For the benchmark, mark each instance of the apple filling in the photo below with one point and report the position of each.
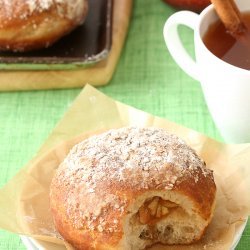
(154, 210)
(159, 220)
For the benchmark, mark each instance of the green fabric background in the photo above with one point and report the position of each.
(146, 78)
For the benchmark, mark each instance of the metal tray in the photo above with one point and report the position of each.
(86, 45)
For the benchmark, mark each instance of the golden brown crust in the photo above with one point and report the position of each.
(102, 176)
(202, 192)
(34, 24)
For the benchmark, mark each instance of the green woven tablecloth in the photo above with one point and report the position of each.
(146, 78)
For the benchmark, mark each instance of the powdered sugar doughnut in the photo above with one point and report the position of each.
(34, 24)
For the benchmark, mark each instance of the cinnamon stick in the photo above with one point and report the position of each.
(230, 15)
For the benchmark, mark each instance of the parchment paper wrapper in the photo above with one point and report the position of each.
(24, 201)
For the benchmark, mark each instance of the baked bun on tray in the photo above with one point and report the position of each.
(130, 188)
(33, 24)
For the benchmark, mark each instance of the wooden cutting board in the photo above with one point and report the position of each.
(98, 74)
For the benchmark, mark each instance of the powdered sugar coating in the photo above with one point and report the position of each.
(22, 9)
(129, 159)
(134, 157)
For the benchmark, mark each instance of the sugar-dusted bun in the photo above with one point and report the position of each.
(130, 188)
(35, 24)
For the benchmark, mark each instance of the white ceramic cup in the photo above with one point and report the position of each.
(226, 88)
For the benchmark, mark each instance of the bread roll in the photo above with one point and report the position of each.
(130, 188)
(35, 24)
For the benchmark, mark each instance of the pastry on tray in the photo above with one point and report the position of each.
(33, 24)
(130, 188)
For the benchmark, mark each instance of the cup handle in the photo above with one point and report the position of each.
(174, 44)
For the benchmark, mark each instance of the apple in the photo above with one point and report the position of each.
(194, 5)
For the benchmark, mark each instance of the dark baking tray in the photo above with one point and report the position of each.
(86, 45)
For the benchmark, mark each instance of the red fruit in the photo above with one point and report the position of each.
(194, 5)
